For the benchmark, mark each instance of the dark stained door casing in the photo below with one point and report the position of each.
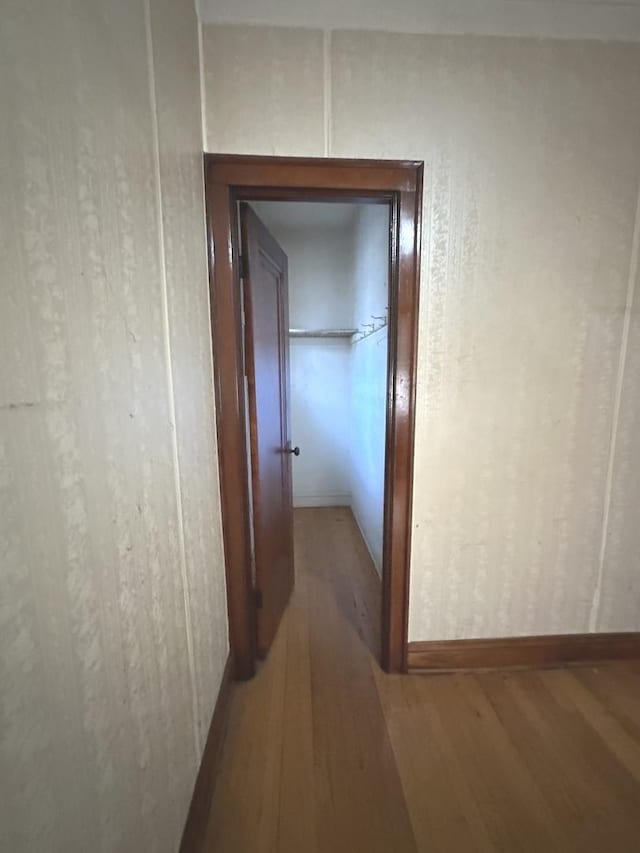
(266, 312)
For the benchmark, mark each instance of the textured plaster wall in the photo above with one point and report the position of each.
(526, 499)
(113, 628)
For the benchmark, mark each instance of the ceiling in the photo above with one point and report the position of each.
(600, 19)
(304, 214)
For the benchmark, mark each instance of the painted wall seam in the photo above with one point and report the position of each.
(170, 382)
(326, 50)
(624, 344)
(203, 87)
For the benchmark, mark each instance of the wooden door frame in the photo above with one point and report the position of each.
(233, 178)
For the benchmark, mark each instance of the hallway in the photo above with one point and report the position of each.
(324, 753)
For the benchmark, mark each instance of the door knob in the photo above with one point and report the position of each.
(294, 450)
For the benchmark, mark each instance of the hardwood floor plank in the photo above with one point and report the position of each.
(614, 737)
(618, 689)
(359, 795)
(594, 800)
(246, 817)
(297, 814)
(445, 816)
(512, 808)
(565, 795)
(324, 753)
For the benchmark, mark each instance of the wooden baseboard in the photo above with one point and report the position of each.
(521, 652)
(193, 835)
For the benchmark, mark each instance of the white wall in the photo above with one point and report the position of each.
(321, 285)
(113, 628)
(525, 510)
(368, 380)
(320, 395)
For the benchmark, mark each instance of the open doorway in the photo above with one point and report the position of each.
(316, 382)
(250, 285)
(338, 271)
